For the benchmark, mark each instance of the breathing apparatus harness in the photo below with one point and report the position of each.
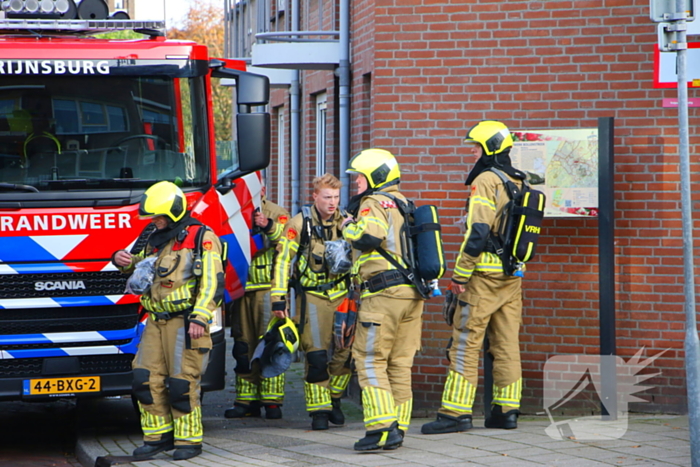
(308, 231)
(157, 239)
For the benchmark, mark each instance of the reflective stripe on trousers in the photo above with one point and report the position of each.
(386, 340)
(317, 397)
(162, 353)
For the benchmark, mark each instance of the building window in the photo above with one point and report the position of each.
(366, 106)
(281, 157)
(119, 4)
(320, 134)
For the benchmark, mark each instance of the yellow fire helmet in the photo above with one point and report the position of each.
(379, 166)
(276, 348)
(163, 199)
(492, 135)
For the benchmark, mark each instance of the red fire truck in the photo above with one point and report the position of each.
(86, 125)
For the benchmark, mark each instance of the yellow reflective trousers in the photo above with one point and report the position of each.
(386, 340)
(251, 315)
(325, 378)
(488, 307)
(167, 381)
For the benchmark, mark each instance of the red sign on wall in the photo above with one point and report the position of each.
(665, 75)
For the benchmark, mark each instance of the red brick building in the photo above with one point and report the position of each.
(422, 72)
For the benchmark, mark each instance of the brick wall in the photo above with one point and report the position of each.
(440, 66)
(424, 71)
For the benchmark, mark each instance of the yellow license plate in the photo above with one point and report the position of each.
(51, 386)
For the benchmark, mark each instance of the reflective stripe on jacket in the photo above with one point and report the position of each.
(174, 286)
(260, 271)
(378, 223)
(311, 262)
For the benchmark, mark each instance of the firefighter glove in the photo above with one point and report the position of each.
(344, 323)
(449, 307)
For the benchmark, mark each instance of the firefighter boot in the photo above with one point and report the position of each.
(273, 411)
(150, 449)
(187, 452)
(498, 419)
(447, 424)
(387, 439)
(243, 411)
(336, 416)
(319, 420)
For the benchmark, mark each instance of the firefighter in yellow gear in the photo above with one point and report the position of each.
(318, 294)
(41, 146)
(489, 302)
(251, 315)
(389, 318)
(174, 348)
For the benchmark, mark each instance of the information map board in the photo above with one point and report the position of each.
(564, 165)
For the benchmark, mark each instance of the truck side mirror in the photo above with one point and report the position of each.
(253, 128)
(253, 141)
(251, 89)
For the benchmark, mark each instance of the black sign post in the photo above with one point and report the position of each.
(606, 265)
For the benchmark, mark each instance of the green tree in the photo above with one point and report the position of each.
(204, 24)
(124, 34)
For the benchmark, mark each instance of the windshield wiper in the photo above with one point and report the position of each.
(15, 187)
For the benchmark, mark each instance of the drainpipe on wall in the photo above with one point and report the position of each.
(343, 72)
(295, 123)
(294, 130)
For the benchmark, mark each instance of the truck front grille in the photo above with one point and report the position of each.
(68, 319)
(63, 345)
(62, 284)
(89, 364)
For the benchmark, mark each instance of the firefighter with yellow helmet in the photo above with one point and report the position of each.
(181, 300)
(489, 302)
(302, 262)
(251, 314)
(389, 319)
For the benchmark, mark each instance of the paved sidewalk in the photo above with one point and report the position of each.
(112, 430)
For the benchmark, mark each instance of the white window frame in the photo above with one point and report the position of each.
(321, 128)
(281, 159)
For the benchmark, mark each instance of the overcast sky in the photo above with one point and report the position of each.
(175, 10)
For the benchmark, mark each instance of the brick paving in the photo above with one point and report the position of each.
(645, 440)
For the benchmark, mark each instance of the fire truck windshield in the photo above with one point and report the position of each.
(57, 132)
